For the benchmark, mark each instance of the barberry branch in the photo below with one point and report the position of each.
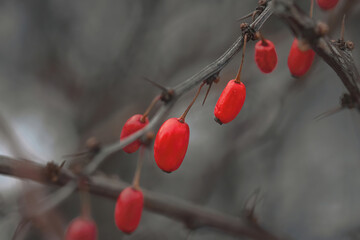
(209, 74)
(339, 59)
(193, 216)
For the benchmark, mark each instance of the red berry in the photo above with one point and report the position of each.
(265, 56)
(230, 102)
(131, 126)
(327, 4)
(81, 229)
(299, 62)
(128, 209)
(171, 144)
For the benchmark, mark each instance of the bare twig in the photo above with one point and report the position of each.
(192, 215)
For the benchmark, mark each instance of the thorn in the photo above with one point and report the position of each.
(342, 33)
(250, 205)
(328, 113)
(254, 196)
(246, 16)
(155, 84)
(253, 16)
(76, 155)
(62, 164)
(207, 93)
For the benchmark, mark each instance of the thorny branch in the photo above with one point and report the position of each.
(192, 215)
(208, 74)
(339, 59)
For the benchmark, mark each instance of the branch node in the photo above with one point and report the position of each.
(166, 96)
(52, 171)
(348, 101)
(343, 45)
(248, 30)
(147, 138)
(214, 78)
(93, 145)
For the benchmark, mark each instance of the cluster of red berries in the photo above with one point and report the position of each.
(301, 56)
(172, 139)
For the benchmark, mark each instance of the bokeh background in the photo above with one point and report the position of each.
(70, 70)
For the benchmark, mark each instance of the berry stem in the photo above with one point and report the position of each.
(152, 104)
(182, 118)
(237, 79)
(311, 8)
(263, 40)
(136, 181)
(85, 201)
(342, 33)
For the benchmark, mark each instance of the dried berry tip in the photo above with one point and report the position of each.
(218, 121)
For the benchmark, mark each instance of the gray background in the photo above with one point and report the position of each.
(72, 69)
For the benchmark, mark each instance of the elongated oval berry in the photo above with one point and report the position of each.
(265, 56)
(131, 126)
(327, 4)
(171, 144)
(230, 102)
(299, 62)
(81, 229)
(128, 209)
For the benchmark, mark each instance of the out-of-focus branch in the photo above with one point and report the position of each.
(340, 60)
(191, 215)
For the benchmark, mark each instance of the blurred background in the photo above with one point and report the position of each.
(70, 70)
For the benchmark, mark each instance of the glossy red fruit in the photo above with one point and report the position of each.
(299, 62)
(171, 144)
(230, 102)
(128, 209)
(131, 126)
(265, 56)
(81, 229)
(327, 4)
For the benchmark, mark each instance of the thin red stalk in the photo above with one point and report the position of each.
(136, 180)
(152, 104)
(182, 118)
(237, 79)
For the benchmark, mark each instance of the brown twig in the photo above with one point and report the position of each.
(192, 215)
